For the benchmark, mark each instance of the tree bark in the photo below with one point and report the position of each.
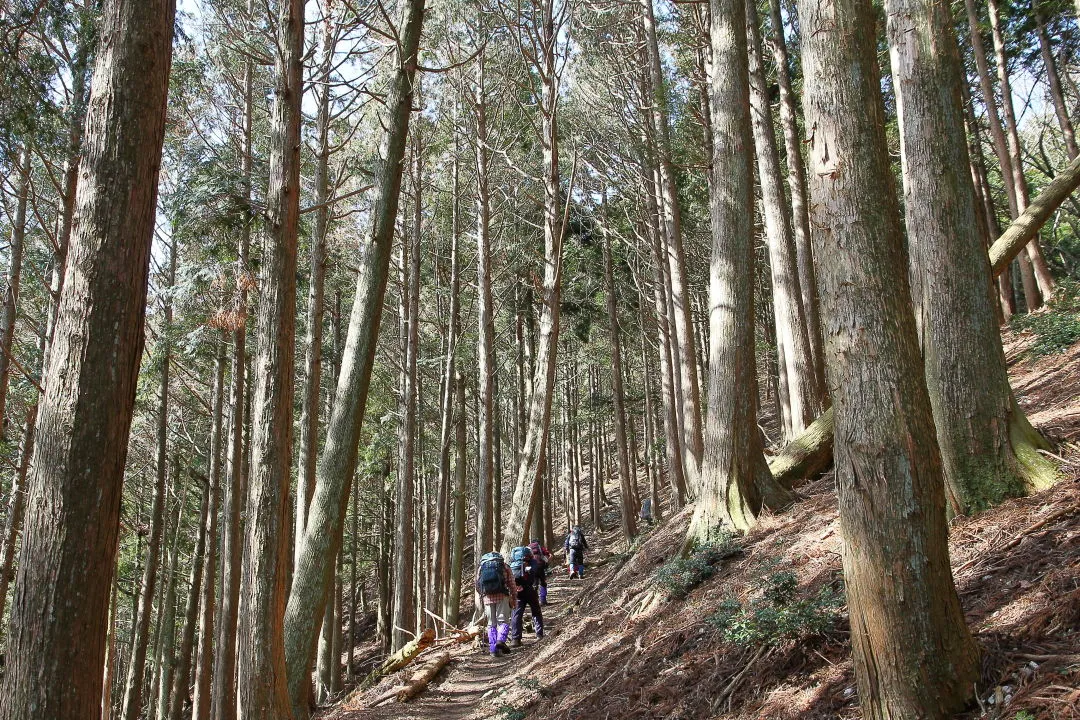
(62, 595)
(165, 660)
(736, 482)
(912, 651)
(261, 688)
(805, 401)
(1053, 78)
(337, 462)
(457, 555)
(965, 370)
(16, 509)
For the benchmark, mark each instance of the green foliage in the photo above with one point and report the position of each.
(509, 712)
(1056, 328)
(777, 613)
(1023, 715)
(682, 574)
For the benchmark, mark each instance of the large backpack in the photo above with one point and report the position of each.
(537, 551)
(577, 542)
(492, 579)
(520, 561)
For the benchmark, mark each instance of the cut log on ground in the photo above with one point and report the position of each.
(807, 456)
(402, 657)
(416, 684)
(1025, 227)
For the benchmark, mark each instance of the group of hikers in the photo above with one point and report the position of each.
(521, 583)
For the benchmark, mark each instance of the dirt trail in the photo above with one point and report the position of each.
(473, 675)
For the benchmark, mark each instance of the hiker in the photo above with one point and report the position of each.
(541, 560)
(523, 569)
(646, 511)
(575, 547)
(495, 584)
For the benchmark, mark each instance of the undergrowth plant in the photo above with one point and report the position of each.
(680, 575)
(1056, 328)
(777, 612)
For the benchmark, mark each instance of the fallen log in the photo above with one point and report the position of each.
(416, 684)
(807, 456)
(1025, 227)
(402, 657)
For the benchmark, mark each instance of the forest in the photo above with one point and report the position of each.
(755, 324)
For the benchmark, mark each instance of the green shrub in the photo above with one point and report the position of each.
(778, 613)
(1056, 328)
(509, 712)
(680, 575)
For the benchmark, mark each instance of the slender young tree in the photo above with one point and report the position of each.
(9, 309)
(56, 648)
(337, 462)
(262, 692)
(912, 651)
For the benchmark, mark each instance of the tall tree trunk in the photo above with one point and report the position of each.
(1043, 277)
(404, 613)
(261, 687)
(683, 328)
(165, 656)
(629, 514)
(133, 689)
(997, 136)
(793, 146)
(9, 311)
(182, 673)
(316, 305)
(337, 462)
(16, 509)
(1068, 133)
(988, 449)
(62, 595)
(223, 703)
(204, 671)
(457, 555)
(736, 481)
(912, 651)
(531, 470)
(805, 396)
(111, 659)
(485, 532)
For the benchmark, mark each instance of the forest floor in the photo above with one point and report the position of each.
(757, 629)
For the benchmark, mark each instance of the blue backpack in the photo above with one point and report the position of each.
(492, 578)
(520, 561)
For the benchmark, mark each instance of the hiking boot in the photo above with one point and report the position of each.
(516, 642)
(501, 647)
(495, 653)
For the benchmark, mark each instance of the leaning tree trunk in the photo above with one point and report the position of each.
(985, 440)
(262, 692)
(337, 462)
(804, 393)
(73, 501)
(1061, 110)
(133, 689)
(736, 482)
(912, 651)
